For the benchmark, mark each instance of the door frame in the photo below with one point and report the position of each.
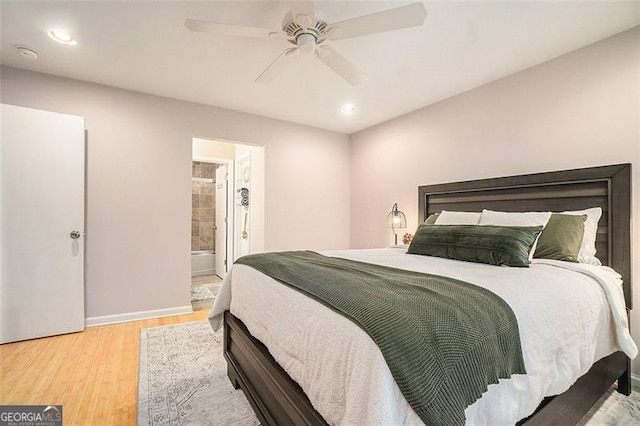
(230, 204)
(239, 223)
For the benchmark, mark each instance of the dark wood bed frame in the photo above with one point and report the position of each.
(278, 400)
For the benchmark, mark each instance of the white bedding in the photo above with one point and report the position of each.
(569, 316)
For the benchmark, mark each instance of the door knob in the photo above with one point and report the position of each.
(75, 235)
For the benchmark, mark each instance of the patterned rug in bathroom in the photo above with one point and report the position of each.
(201, 293)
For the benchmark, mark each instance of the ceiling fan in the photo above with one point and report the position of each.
(302, 28)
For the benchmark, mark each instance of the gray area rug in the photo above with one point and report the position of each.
(182, 380)
(201, 293)
(614, 408)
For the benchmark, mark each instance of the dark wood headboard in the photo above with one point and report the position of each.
(608, 187)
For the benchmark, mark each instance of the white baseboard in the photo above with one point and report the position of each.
(136, 316)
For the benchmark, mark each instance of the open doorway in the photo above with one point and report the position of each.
(209, 207)
(227, 212)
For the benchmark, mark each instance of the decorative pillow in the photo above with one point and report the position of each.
(490, 217)
(588, 246)
(561, 238)
(458, 218)
(494, 245)
(431, 219)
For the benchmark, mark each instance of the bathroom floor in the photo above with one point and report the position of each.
(212, 282)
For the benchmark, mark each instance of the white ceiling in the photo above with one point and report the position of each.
(144, 46)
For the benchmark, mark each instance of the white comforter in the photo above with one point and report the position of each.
(569, 316)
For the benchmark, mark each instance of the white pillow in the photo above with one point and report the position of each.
(587, 252)
(489, 217)
(458, 218)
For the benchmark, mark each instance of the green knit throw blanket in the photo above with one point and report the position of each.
(443, 339)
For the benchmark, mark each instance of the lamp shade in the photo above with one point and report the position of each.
(396, 219)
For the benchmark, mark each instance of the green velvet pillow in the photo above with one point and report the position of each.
(561, 238)
(431, 219)
(494, 245)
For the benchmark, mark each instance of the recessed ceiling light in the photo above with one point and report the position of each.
(62, 37)
(27, 52)
(348, 109)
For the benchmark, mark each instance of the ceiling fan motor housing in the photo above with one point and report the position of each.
(305, 37)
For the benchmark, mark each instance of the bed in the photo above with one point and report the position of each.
(278, 399)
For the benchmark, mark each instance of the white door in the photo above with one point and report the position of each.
(222, 176)
(42, 223)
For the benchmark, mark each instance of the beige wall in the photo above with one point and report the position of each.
(139, 179)
(579, 110)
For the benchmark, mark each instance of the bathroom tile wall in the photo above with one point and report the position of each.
(202, 206)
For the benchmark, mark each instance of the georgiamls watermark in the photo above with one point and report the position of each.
(30, 415)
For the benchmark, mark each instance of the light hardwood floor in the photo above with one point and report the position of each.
(92, 374)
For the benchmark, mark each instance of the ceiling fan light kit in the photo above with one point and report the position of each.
(306, 42)
(307, 33)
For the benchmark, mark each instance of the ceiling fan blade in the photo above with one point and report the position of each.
(226, 29)
(340, 65)
(303, 12)
(411, 15)
(277, 66)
